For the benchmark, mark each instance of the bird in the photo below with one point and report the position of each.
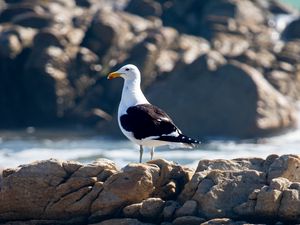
(141, 122)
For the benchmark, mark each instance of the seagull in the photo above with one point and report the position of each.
(141, 122)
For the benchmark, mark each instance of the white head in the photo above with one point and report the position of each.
(129, 72)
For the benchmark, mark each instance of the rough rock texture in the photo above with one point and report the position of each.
(219, 192)
(54, 56)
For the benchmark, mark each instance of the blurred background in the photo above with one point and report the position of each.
(227, 72)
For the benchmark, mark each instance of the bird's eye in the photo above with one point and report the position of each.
(126, 69)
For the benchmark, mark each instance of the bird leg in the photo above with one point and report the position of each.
(152, 152)
(141, 153)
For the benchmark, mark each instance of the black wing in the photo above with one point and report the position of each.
(146, 120)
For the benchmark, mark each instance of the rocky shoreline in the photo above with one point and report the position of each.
(238, 191)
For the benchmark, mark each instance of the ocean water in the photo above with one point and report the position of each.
(22, 147)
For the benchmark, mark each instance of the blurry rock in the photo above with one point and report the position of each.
(286, 83)
(15, 10)
(144, 8)
(152, 208)
(192, 47)
(290, 205)
(169, 210)
(264, 109)
(10, 45)
(33, 20)
(190, 220)
(125, 221)
(133, 210)
(292, 31)
(189, 208)
(230, 45)
(224, 221)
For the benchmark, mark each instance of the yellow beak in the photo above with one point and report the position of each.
(113, 75)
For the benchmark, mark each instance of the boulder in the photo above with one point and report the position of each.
(144, 8)
(52, 189)
(125, 221)
(292, 31)
(235, 86)
(190, 220)
(152, 208)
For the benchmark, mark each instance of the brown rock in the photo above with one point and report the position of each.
(152, 208)
(286, 166)
(56, 190)
(290, 205)
(133, 210)
(138, 178)
(213, 190)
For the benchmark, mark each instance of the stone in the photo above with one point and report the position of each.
(133, 210)
(54, 190)
(224, 221)
(144, 8)
(292, 30)
(286, 166)
(125, 221)
(261, 116)
(189, 208)
(191, 220)
(169, 209)
(138, 178)
(290, 205)
(152, 207)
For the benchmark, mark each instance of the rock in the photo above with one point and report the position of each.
(189, 208)
(144, 8)
(169, 210)
(152, 207)
(292, 31)
(286, 166)
(136, 177)
(53, 189)
(133, 210)
(33, 20)
(67, 192)
(125, 221)
(263, 115)
(224, 221)
(191, 220)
